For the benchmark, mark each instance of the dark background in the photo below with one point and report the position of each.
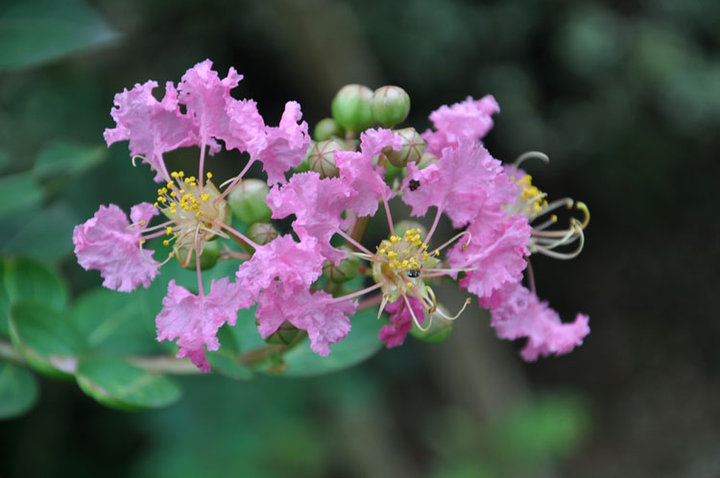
(625, 99)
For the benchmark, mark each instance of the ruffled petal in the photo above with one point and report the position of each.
(400, 321)
(469, 119)
(286, 144)
(105, 243)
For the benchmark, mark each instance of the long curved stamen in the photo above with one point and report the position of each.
(388, 215)
(414, 318)
(434, 226)
(201, 292)
(234, 181)
(354, 242)
(382, 305)
(531, 155)
(239, 235)
(562, 255)
(355, 294)
(446, 317)
(453, 239)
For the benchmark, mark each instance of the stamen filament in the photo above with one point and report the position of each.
(354, 242)
(434, 225)
(446, 317)
(239, 235)
(355, 294)
(531, 155)
(234, 181)
(389, 216)
(453, 239)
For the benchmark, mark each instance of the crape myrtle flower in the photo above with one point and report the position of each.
(500, 217)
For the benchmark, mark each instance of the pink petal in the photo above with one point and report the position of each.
(467, 120)
(105, 243)
(152, 127)
(194, 320)
(400, 321)
(286, 144)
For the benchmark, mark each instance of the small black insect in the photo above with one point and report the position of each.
(414, 184)
(413, 273)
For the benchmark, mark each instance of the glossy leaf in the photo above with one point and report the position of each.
(45, 338)
(361, 343)
(33, 32)
(18, 192)
(25, 279)
(28, 235)
(118, 384)
(18, 390)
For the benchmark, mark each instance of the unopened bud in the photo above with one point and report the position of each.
(284, 335)
(262, 233)
(327, 128)
(390, 105)
(322, 158)
(247, 201)
(208, 258)
(426, 160)
(439, 330)
(345, 271)
(352, 107)
(413, 147)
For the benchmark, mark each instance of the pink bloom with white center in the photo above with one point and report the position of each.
(283, 259)
(195, 319)
(470, 119)
(153, 127)
(325, 318)
(317, 205)
(362, 176)
(464, 182)
(516, 312)
(495, 254)
(401, 321)
(106, 242)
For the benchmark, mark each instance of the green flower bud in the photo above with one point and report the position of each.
(208, 258)
(439, 331)
(327, 128)
(426, 160)
(390, 105)
(391, 172)
(352, 107)
(413, 147)
(284, 335)
(247, 201)
(345, 271)
(262, 233)
(322, 158)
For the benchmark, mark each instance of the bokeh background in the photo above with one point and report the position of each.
(623, 96)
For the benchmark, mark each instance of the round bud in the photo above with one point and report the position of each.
(426, 160)
(390, 105)
(321, 158)
(352, 107)
(343, 272)
(284, 335)
(262, 233)
(413, 147)
(247, 201)
(208, 258)
(439, 331)
(327, 128)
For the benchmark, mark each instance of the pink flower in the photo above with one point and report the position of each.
(283, 259)
(361, 175)
(286, 144)
(400, 321)
(496, 253)
(516, 312)
(106, 242)
(206, 97)
(153, 127)
(465, 181)
(324, 318)
(317, 205)
(467, 120)
(195, 319)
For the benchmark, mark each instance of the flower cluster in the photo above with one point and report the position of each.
(312, 277)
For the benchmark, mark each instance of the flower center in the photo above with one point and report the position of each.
(196, 211)
(398, 265)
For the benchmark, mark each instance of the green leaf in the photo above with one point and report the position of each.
(18, 192)
(64, 158)
(33, 32)
(115, 323)
(118, 384)
(46, 339)
(25, 279)
(228, 365)
(361, 343)
(29, 235)
(18, 390)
